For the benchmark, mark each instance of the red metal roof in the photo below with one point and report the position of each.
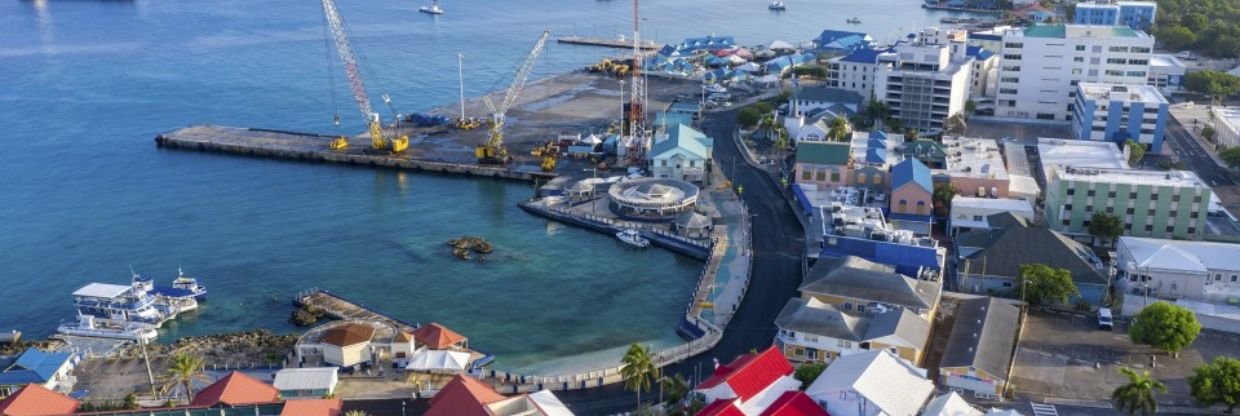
(313, 407)
(36, 400)
(436, 336)
(794, 403)
(720, 408)
(235, 389)
(463, 396)
(749, 374)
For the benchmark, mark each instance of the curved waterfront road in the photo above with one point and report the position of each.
(777, 243)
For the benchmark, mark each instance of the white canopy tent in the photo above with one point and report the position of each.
(780, 45)
(591, 140)
(438, 361)
(749, 67)
(735, 59)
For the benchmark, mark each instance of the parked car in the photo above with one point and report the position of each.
(716, 88)
(1186, 55)
(1105, 321)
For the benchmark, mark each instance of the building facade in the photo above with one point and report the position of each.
(927, 80)
(1156, 204)
(825, 164)
(813, 331)
(1118, 113)
(1041, 65)
(1133, 14)
(1166, 73)
(1226, 126)
(681, 153)
(1177, 269)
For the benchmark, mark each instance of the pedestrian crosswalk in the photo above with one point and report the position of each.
(1043, 409)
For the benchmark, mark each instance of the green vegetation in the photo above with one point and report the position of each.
(1136, 151)
(808, 372)
(1039, 284)
(1138, 395)
(763, 108)
(355, 413)
(1106, 226)
(1231, 156)
(810, 71)
(1216, 84)
(748, 117)
(1217, 383)
(943, 194)
(1167, 327)
(675, 388)
(1211, 27)
(639, 371)
(183, 370)
(1209, 133)
(839, 130)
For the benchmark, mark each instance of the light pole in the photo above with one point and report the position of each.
(621, 126)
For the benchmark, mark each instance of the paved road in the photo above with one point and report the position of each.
(1191, 152)
(777, 242)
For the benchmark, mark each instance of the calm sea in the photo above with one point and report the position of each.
(84, 193)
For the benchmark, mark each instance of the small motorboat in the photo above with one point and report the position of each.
(632, 237)
(777, 5)
(854, 20)
(432, 9)
(191, 284)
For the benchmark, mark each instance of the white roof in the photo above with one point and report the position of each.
(1022, 186)
(891, 384)
(549, 404)
(1121, 92)
(438, 360)
(102, 290)
(779, 44)
(1235, 71)
(1002, 412)
(1058, 153)
(950, 404)
(319, 378)
(977, 158)
(1174, 178)
(1018, 205)
(1197, 256)
(1166, 60)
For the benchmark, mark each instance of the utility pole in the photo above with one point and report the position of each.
(460, 71)
(150, 376)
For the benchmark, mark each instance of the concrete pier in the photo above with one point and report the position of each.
(314, 148)
(338, 307)
(608, 42)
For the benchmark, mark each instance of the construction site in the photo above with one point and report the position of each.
(523, 132)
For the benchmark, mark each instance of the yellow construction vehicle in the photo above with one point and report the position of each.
(378, 139)
(547, 154)
(493, 151)
(467, 123)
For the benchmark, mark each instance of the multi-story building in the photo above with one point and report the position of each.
(1134, 14)
(975, 167)
(1041, 65)
(926, 80)
(824, 164)
(1176, 269)
(1155, 204)
(1118, 113)
(856, 71)
(813, 331)
(1058, 154)
(1166, 73)
(1226, 126)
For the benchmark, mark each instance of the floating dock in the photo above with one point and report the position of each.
(314, 148)
(619, 43)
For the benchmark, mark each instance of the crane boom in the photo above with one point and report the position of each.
(378, 140)
(493, 150)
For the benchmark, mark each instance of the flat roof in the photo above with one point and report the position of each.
(1059, 153)
(1165, 60)
(305, 378)
(102, 290)
(1120, 92)
(974, 158)
(991, 203)
(1175, 178)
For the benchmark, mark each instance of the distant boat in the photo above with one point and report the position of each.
(432, 9)
(777, 5)
(632, 237)
(854, 20)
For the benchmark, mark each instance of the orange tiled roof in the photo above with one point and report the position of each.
(349, 334)
(437, 336)
(235, 389)
(463, 396)
(313, 407)
(36, 400)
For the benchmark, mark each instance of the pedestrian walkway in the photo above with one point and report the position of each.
(1043, 409)
(1195, 117)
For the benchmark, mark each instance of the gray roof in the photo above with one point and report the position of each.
(983, 336)
(1012, 241)
(858, 278)
(829, 95)
(814, 317)
(901, 323)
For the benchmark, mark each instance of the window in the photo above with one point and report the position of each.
(1132, 195)
(1197, 199)
(1071, 191)
(1009, 79)
(1080, 47)
(1011, 57)
(1111, 194)
(861, 178)
(1233, 278)
(1149, 228)
(1135, 73)
(1085, 224)
(1118, 49)
(1192, 230)
(806, 174)
(1174, 214)
(822, 175)
(1067, 223)
(1140, 49)
(1097, 48)
(1067, 207)
(1013, 45)
(1127, 227)
(1078, 59)
(1110, 210)
(1046, 116)
(1153, 197)
(1171, 228)
(843, 343)
(1192, 215)
(1130, 211)
(1117, 61)
(921, 207)
(1218, 276)
(1007, 284)
(835, 176)
(1150, 212)
(1175, 198)
(1007, 91)
(1090, 193)
(1114, 73)
(878, 179)
(977, 218)
(847, 306)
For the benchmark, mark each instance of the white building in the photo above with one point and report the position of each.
(1166, 73)
(681, 154)
(969, 212)
(814, 331)
(1041, 65)
(1226, 126)
(1023, 185)
(872, 383)
(856, 71)
(1177, 269)
(1057, 154)
(927, 80)
(314, 382)
(1110, 112)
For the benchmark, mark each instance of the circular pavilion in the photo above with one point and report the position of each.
(652, 199)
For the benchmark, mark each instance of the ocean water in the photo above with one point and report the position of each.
(84, 193)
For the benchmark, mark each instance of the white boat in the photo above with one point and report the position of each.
(86, 326)
(632, 237)
(190, 284)
(777, 5)
(432, 9)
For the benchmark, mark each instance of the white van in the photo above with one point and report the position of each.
(1104, 319)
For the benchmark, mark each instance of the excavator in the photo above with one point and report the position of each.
(378, 138)
(493, 151)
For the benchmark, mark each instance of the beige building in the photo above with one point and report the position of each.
(348, 345)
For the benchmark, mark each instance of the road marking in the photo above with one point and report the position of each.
(1042, 409)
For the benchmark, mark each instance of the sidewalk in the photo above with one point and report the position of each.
(1185, 116)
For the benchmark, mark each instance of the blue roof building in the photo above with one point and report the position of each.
(911, 171)
(839, 40)
(37, 367)
(912, 193)
(682, 155)
(1134, 14)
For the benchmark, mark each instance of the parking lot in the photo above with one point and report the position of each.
(1065, 356)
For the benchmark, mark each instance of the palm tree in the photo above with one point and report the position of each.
(639, 370)
(839, 129)
(676, 387)
(1138, 395)
(183, 371)
(355, 413)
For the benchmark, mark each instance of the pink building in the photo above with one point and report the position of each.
(825, 164)
(911, 189)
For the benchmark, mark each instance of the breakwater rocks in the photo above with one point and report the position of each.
(464, 245)
(252, 346)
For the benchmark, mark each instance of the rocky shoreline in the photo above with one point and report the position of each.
(254, 346)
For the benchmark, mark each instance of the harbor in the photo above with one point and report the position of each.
(618, 42)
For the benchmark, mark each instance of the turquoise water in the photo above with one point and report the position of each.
(86, 85)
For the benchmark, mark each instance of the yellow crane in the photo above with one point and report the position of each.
(493, 151)
(378, 138)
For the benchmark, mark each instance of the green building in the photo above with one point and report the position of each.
(1154, 204)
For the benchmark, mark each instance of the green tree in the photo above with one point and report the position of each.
(675, 388)
(1167, 327)
(911, 134)
(970, 107)
(1106, 226)
(1209, 133)
(781, 138)
(1217, 383)
(639, 370)
(1138, 395)
(1231, 155)
(808, 372)
(955, 125)
(1176, 37)
(874, 110)
(764, 108)
(748, 117)
(1136, 151)
(1216, 84)
(943, 194)
(838, 131)
(1039, 284)
(355, 413)
(183, 371)
(131, 401)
